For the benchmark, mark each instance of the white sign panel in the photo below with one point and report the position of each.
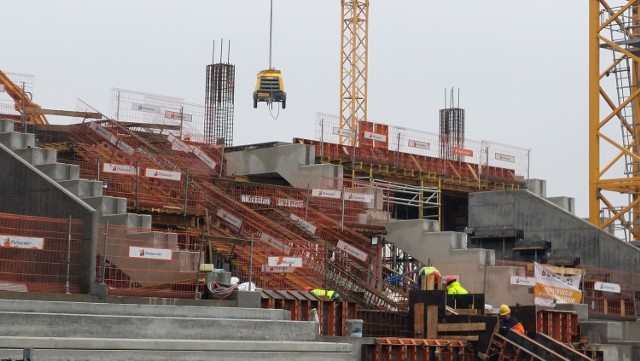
(119, 168)
(505, 158)
(226, 216)
(375, 136)
(205, 158)
(7, 241)
(284, 262)
(147, 108)
(247, 198)
(304, 224)
(269, 269)
(177, 116)
(291, 203)
(358, 197)
(606, 287)
(522, 281)
(177, 144)
(150, 253)
(326, 193)
(111, 138)
(1, 87)
(355, 252)
(275, 243)
(162, 174)
(419, 144)
(344, 132)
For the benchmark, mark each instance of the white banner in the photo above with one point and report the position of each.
(226, 216)
(284, 262)
(8, 241)
(119, 168)
(419, 144)
(205, 158)
(147, 108)
(505, 158)
(355, 252)
(177, 144)
(304, 224)
(247, 198)
(344, 132)
(552, 288)
(269, 269)
(162, 174)
(606, 287)
(150, 253)
(358, 197)
(275, 243)
(326, 193)
(177, 116)
(291, 203)
(375, 136)
(522, 281)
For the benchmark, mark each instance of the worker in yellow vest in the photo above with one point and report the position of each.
(454, 287)
(425, 271)
(330, 294)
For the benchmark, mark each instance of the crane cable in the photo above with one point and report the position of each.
(270, 56)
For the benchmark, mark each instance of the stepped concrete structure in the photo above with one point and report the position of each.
(67, 330)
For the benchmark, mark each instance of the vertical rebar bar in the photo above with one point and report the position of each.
(196, 295)
(104, 254)
(66, 285)
(251, 264)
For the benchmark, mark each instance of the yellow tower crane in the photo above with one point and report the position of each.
(614, 116)
(353, 72)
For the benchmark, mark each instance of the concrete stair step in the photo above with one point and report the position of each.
(6, 126)
(32, 324)
(127, 219)
(60, 171)
(93, 308)
(37, 156)
(83, 188)
(14, 140)
(107, 205)
(75, 349)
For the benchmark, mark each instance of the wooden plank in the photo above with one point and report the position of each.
(432, 321)
(474, 326)
(418, 320)
(461, 337)
(564, 270)
(465, 311)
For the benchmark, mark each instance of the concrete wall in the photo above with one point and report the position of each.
(293, 162)
(26, 190)
(521, 209)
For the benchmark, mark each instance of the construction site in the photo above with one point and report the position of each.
(143, 232)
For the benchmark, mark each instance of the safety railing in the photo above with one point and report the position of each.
(39, 254)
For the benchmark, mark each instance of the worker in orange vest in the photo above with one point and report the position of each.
(508, 322)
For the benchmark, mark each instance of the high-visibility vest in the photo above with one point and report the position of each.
(455, 288)
(320, 292)
(427, 270)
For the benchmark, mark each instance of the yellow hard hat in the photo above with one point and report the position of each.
(504, 310)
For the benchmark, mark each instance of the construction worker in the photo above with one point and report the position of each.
(425, 271)
(508, 322)
(454, 287)
(330, 294)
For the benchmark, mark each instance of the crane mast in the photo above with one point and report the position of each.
(614, 117)
(353, 73)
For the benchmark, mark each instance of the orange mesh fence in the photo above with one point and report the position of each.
(39, 254)
(143, 262)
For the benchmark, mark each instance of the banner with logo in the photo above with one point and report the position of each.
(552, 287)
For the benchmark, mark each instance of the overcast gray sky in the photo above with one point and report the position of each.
(521, 67)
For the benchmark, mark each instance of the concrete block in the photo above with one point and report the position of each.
(37, 156)
(107, 205)
(537, 186)
(6, 126)
(18, 140)
(247, 299)
(582, 310)
(128, 219)
(83, 188)
(60, 171)
(566, 203)
(601, 331)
